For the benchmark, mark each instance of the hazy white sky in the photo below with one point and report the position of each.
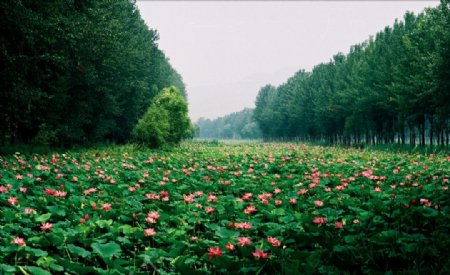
(226, 51)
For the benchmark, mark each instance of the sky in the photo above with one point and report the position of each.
(227, 50)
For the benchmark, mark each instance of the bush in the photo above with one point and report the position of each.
(153, 128)
(165, 122)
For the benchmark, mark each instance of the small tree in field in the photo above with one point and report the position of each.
(166, 120)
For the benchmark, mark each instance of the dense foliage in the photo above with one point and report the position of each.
(239, 125)
(267, 208)
(395, 87)
(166, 121)
(77, 71)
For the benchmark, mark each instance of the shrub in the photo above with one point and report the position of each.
(153, 128)
(166, 121)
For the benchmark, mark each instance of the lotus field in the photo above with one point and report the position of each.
(225, 208)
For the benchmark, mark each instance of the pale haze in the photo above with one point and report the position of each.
(226, 51)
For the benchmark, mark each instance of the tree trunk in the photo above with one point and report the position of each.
(431, 133)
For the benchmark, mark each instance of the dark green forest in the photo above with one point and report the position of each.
(238, 125)
(392, 88)
(77, 71)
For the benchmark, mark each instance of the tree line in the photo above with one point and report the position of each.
(77, 71)
(392, 88)
(238, 125)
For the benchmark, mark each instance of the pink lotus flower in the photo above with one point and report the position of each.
(3, 189)
(259, 254)
(293, 201)
(250, 209)
(244, 241)
(152, 196)
(230, 246)
(18, 241)
(189, 198)
(29, 211)
(106, 207)
(13, 200)
(247, 196)
(209, 210)
(338, 225)
(302, 191)
(339, 187)
(278, 202)
(47, 226)
(318, 203)
(89, 191)
(214, 252)
(23, 189)
(273, 241)
(152, 217)
(320, 220)
(149, 232)
(60, 194)
(243, 225)
(212, 198)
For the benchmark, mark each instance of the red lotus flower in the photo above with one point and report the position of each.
(214, 252)
(47, 226)
(259, 254)
(273, 241)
